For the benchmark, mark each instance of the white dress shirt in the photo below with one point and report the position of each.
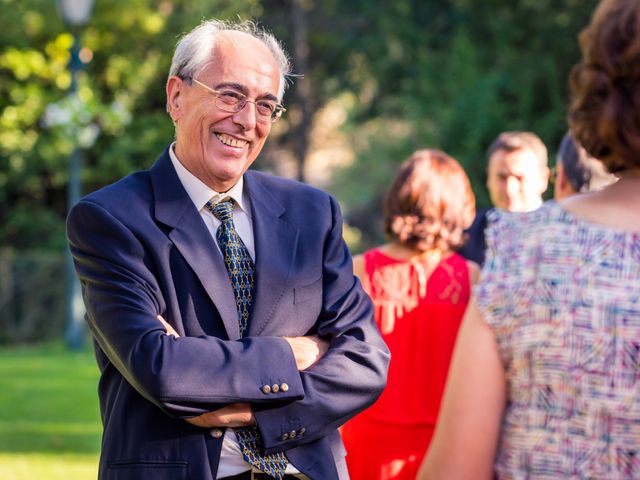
(231, 460)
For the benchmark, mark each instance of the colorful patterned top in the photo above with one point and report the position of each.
(562, 295)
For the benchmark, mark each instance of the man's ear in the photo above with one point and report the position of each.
(546, 176)
(174, 90)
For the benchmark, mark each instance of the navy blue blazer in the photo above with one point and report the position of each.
(475, 246)
(141, 249)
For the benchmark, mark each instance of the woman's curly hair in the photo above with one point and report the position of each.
(604, 114)
(430, 202)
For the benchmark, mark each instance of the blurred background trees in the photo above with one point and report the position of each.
(380, 79)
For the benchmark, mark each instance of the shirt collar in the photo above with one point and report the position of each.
(200, 193)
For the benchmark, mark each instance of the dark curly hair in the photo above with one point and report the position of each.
(430, 202)
(605, 86)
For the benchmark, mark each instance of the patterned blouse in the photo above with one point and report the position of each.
(562, 296)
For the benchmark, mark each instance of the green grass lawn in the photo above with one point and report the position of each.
(49, 421)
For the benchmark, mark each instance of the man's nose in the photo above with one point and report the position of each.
(246, 117)
(513, 185)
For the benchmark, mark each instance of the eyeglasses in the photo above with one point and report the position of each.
(233, 101)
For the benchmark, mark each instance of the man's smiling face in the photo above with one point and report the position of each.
(214, 145)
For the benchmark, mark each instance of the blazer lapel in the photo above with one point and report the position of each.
(275, 244)
(174, 208)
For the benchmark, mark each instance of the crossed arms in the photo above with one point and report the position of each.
(306, 351)
(331, 376)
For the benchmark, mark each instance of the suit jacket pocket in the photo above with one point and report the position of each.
(147, 470)
(308, 292)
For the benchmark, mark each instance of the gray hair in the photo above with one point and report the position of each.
(194, 49)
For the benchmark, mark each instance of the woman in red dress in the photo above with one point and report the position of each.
(420, 288)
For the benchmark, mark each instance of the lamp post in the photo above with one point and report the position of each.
(75, 14)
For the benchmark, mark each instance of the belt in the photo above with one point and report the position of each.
(251, 475)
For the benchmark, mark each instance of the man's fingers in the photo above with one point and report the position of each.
(169, 329)
(234, 415)
(307, 350)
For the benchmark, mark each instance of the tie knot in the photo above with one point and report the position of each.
(223, 211)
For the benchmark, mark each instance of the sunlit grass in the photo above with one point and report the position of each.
(29, 466)
(49, 420)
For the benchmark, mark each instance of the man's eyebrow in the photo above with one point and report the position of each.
(243, 89)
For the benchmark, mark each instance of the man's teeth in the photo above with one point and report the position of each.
(232, 142)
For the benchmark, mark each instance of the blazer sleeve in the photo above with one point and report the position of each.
(352, 373)
(187, 376)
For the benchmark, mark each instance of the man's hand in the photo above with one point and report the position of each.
(307, 350)
(234, 415)
(167, 327)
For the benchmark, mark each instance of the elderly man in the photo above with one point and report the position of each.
(577, 172)
(231, 335)
(517, 177)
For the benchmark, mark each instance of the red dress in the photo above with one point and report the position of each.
(418, 313)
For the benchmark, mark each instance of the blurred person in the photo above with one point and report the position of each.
(517, 177)
(545, 376)
(420, 288)
(231, 334)
(517, 173)
(576, 171)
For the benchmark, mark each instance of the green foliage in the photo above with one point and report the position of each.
(447, 74)
(32, 290)
(454, 74)
(117, 116)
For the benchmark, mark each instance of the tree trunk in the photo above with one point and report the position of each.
(301, 130)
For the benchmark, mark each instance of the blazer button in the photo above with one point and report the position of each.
(302, 430)
(285, 436)
(284, 387)
(266, 389)
(216, 433)
(275, 388)
(293, 434)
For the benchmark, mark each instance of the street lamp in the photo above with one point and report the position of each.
(75, 14)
